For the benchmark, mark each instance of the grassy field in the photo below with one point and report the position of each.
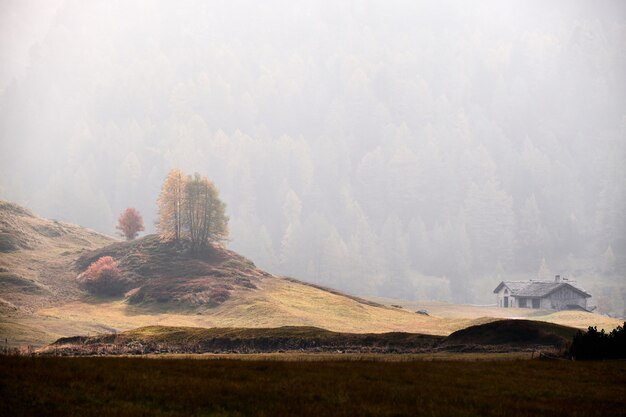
(282, 303)
(187, 387)
(278, 302)
(459, 316)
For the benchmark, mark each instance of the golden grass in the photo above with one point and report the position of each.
(285, 303)
(464, 315)
(278, 303)
(47, 263)
(580, 319)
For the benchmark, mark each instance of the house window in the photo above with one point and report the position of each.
(522, 302)
(536, 303)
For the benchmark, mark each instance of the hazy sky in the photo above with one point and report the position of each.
(409, 147)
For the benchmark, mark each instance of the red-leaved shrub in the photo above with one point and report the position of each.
(104, 277)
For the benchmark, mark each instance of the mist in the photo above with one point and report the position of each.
(420, 150)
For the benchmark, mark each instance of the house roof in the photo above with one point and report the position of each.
(537, 288)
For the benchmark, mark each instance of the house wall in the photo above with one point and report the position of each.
(529, 302)
(563, 297)
(524, 302)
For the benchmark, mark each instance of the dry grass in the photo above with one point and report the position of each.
(460, 316)
(579, 319)
(134, 386)
(42, 257)
(277, 303)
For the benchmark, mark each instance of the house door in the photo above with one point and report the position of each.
(506, 301)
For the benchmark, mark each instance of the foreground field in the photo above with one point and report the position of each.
(187, 387)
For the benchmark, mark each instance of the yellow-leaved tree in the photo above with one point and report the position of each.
(190, 208)
(171, 205)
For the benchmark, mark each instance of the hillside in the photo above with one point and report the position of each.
(41, 300)
(36, 258)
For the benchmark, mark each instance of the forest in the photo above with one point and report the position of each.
(420, 150)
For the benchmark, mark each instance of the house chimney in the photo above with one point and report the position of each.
(557, 278)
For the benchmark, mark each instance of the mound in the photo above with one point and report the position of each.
(506, 334)
(159, 339)
(171, 275)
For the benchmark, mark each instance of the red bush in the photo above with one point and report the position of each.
(104, 277)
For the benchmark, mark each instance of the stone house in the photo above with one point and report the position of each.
(552, 295)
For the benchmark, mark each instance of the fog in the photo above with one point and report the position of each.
(422, 150)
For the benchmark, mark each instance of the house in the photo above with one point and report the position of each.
(554, 295)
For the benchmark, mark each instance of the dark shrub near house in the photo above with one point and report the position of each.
(594, 344)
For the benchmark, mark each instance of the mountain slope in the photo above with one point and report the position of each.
(36, 255)
(42, 300)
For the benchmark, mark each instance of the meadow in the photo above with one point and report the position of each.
(331, 386)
